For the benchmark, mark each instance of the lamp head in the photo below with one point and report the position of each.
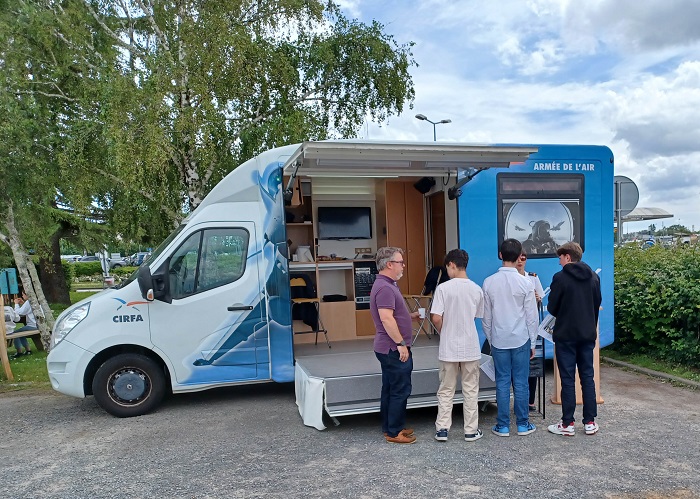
(421, 117)
(445, 121)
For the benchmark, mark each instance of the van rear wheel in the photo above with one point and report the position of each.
(129, 385)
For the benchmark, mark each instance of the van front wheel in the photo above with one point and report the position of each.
(129, 385)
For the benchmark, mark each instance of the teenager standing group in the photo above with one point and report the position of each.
(507, 305)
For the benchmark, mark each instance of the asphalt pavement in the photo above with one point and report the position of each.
(250, 442)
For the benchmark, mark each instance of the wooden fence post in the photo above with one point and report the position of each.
(3, 343)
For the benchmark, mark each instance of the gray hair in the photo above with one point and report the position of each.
(385, 254)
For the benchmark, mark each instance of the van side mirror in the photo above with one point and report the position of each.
(145, 282)
(161, 282)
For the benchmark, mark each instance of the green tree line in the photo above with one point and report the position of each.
(119, 117)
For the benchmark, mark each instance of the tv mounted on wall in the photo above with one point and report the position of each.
(344, 222)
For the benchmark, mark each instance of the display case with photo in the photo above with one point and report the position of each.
(541, 211)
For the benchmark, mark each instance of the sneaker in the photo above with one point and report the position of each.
(591, 428)
(532, 408)
(471, 437)
(28, 352)
(501, 431)
(441, 435)
(401, 438)
(526, 429)
(17, 355)
(560, 429)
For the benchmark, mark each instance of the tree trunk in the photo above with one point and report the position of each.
(53, 279)
(30, 279)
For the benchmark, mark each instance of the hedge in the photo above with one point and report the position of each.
(657, 303)
(87, 268)
(68, 272)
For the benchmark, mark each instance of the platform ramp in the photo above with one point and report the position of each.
(348, 383)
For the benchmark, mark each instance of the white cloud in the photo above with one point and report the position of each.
(616, 72)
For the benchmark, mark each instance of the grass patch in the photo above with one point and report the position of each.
(30, 370)
(654, 364)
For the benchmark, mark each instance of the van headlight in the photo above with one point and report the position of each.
(68, 322)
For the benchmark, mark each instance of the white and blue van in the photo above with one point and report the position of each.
(212, 306)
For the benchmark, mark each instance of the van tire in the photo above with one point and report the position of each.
(129, 385)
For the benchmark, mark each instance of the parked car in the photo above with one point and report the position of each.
(122, 261)
(89, 258)
(138, 258)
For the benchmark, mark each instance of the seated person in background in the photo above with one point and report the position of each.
(11, 319)
(22, 307)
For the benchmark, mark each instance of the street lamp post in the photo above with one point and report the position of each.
(422, 117)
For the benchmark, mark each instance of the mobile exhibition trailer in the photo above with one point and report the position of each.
(213, 305)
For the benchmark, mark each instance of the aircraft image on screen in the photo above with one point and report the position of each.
(541, 226)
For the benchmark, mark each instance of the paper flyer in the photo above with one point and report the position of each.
(547, 327)
(489, 369)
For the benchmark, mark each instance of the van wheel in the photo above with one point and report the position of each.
(129, 385)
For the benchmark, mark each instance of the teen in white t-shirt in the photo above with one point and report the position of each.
(456, 303)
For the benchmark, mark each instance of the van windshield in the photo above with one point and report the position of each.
(154, 254)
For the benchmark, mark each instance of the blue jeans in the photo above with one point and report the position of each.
(569, 355)
(512, 367)
(396, 388)
(21, 343)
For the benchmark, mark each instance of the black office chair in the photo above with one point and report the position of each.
(305, 306)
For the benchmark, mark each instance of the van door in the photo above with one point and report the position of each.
(214, 330)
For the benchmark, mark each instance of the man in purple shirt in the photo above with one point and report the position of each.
(392, 344)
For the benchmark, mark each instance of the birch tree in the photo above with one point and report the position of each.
(209, 84)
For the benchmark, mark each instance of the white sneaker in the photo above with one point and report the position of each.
(560, 429)
(591, 428)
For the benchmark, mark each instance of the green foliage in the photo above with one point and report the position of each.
(69, 272)
(657, 302)
(205, 85)
(87, 268)
(123, 271)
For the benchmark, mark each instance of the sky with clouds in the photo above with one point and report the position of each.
(620, 73)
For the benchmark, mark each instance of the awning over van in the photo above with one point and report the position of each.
(389, 159)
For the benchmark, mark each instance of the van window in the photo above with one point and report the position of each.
(208, 259)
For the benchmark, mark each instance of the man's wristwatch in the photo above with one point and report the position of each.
(402, 344)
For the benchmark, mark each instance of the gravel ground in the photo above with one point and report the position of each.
(250, 442)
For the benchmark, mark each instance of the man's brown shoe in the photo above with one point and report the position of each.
(406, 431)
(401, 438)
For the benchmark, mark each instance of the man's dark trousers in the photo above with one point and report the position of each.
(569, 355)
(396, 388)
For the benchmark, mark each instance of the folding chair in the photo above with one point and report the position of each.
(435, 276)
(299, 290)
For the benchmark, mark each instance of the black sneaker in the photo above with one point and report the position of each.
(17, 355)
(28, 352)
(471, 437)
(441, 435)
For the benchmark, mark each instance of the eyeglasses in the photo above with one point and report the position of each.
(523, 257)
(400, 262)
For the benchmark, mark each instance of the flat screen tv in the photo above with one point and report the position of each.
(344, 222)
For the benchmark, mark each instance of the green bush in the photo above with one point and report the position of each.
(657, 303)
(123, 271)
(68, 273)
(87, 268)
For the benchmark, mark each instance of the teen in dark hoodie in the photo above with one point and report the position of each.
(574, 299)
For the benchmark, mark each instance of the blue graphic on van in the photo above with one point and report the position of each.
(238, 348)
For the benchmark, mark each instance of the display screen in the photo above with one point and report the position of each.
(542, 211)
(344, 222)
